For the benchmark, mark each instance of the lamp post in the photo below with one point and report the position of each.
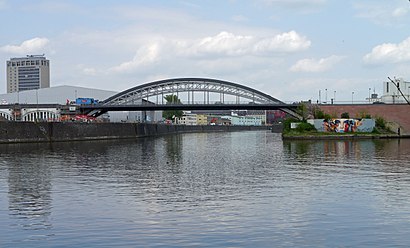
(334, 96)
(369, 93)
(326, 96)
(37, 105)
(408, 92)
(320, 98)
(352, 96)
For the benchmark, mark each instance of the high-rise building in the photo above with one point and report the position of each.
(28, 73)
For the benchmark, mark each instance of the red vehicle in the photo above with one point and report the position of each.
(84, 118)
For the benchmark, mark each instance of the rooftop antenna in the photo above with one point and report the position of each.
(398, 87)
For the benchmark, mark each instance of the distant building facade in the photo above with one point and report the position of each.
(28, 73)
(201, 119)
(392, 95)
(188, 119)
(244, 120)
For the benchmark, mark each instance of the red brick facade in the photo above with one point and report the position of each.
(398, 113)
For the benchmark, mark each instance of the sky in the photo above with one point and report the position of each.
(289, 49)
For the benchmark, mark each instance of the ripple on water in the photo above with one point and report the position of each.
(206, 189)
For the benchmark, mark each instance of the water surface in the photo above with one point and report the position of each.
(240, 189)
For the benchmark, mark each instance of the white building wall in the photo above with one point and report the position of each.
(244, 120)
(392, 95)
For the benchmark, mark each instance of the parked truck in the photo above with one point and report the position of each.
(85, 101)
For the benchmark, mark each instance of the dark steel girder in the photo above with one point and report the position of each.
(97, 110)
(179, 85)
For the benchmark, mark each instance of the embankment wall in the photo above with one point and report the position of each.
(19, 132)
(396, 113)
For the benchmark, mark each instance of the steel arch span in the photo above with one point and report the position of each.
(190, 86)
(140, 98)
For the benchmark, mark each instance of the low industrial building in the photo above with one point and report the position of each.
(244, 120)
(64, 95)
(391, 93)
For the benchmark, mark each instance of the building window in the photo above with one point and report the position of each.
(387, 87)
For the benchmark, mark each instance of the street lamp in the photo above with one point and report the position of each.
(408, 92)
(37, 105)
(326, 96)
(352, 96)
(334, 96)
(320, 98)
(369, 93)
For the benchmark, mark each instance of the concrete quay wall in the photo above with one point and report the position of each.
(21, 132)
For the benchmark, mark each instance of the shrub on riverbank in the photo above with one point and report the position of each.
(303, 126)
(381, 126)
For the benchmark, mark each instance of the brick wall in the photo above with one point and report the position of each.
(397, 113)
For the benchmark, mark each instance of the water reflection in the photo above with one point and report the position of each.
(219, 189)
(30, 201)
(350, 149)
(173, 146)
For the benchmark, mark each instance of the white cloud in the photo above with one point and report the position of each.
(390, 13)
(28, 46)
(285, 42)
(314, 65)
(220, 46)
(144, 57)
(399, 12)
(389, 53)
(229, 44)
(303, 6)
(300, 3)
(224, 43)
(90, 71)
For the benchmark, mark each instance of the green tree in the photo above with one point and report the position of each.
(302, 110)
(319, 114)
(345, 115)
(171, 114)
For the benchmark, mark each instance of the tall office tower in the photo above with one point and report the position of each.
(28, 73)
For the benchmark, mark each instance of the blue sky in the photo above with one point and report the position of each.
(289, 49)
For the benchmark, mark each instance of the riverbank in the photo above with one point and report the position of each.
(30, 132)
(318, 136)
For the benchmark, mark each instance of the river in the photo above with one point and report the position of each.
(227, 189)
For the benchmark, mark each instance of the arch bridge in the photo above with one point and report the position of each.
(195, 93)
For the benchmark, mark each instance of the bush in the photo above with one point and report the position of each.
(327, 117)
(364, 115)
(305, 127)
(345, 115)
(380, 122)
(318, 114)
(381, 125)
(286, 123)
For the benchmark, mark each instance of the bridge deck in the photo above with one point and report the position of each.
(106, 108)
